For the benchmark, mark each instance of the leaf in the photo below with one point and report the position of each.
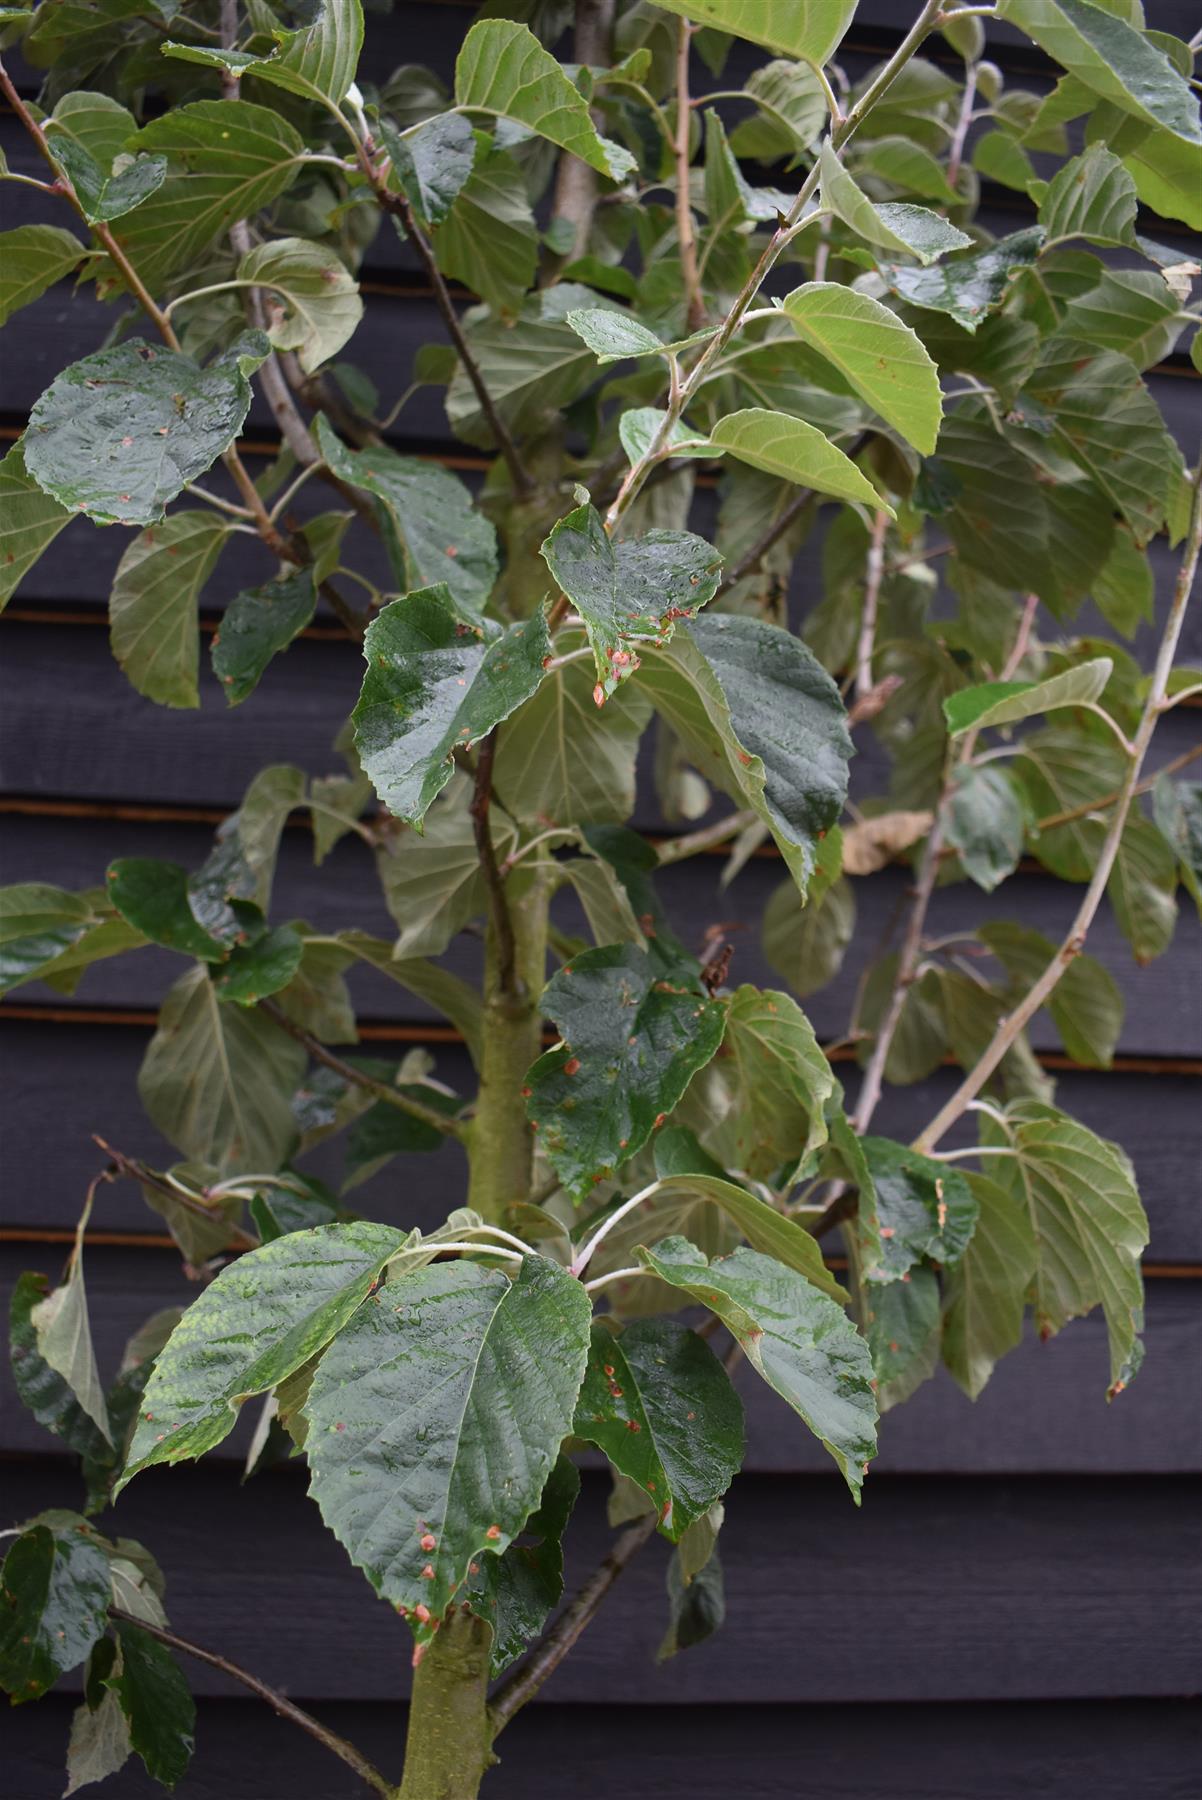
(638, 429)
(805, 944)
(322, 308)
(256, 625)
(762, 719)
(561, 758)
(902, 1327)
(905, 230)
(433, 531)
(533, 366)
(431, 162)
(433, 883)
(730, 200)
(108, 194)
(318, 62)
(420, 1462)
(632, 1043)
(634, 863)
(252, 834)
(253, 971)
(1113, 60)
(94, 120)
(628, 592)
(806, 29)
(55, 1588)
(797, 1339)
(1124, 589)
(789, 448)
(154, 602)
(31, 521)
(1142, 887)
(766, 1229)
(1133, 311)
(99, 1744)
(612, 335)
(1006, 702)
(1105, 419)
(1177, 806)
(1086, 1005)
(33, 258)
(926, 1209)
(971, 286)
(516, 1592)
(256, 1322)
(489, 241)
(920, 1040)
(63, 1340)
(882, 359)
(121, 433)
(1089, 1227)
(1166, 170)
(604, 900)
(41, 1388)
(437, 681)
(154, 1697)
(659, 1403)
(155, 898)
(696, 1608)
(908, 166)
(383, 1132)
(999, 157)
(1091, 197)
(779, 1081)
(217, 1080)
(792, 112)
(986, 1293)
(226, 160)
(985, 822)
(503, 69)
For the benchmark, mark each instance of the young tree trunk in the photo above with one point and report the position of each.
(449, 1742)
(501, 1147)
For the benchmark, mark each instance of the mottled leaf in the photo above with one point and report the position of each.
(54, 1601)
(925, 1208)
(431, 162)
(985, 822)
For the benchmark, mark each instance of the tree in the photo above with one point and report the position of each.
(652, 1184)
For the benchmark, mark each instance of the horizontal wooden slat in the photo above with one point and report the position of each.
(1110, 1751)
(1043, 1412)
(1162, 1014)
(944, 1590)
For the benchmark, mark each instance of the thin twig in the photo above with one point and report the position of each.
(1021, 1015)
(752, 558)
(380, 1090)
(279, 1703)
(146, 1177)
(695, 843)
(1100, 805)
(502, 924)
(874, 573)
(964, 120)
(686, 235)
(546, 1657)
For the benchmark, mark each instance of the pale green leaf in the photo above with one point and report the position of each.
(432, 882)
(639, 428)
(99, 1743)
(532, 367)
(612, 335)
(883, 360)
(765, 1228)
(321, 309)
(1086, 1005)
(985, 1295)
(908, 166)
(1091, 197)
(1006, 702)
(805, 944)
(30, 521)
(905, 230)
(789, 448)
(318, 62)
(503, 69)
(806, 29)
(779, 1081)
(561, 758)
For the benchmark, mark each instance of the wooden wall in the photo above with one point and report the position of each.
(1016, 1607)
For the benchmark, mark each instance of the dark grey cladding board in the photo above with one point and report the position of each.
(1032, 1588)
(1044, 1411)
(64, 1081)
(1106, 1750)
(111, 743)
(1162, 1016)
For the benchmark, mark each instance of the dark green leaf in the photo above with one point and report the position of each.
(105, 194)
(253, 971)
(632, 1043)
(257, 624)
(158, 1708)
(631, 591)
(384, 1132)
(40, 1387)
(119, 434)
(925, 1208)
(797, 1339)
(659, 1403)
(421, 1464)
(153, 606)
(437, 681)
(1112, 58)
(155, 897)
(516, 1591)
(431, 162)
(31, 521)
(259, 1320)
(54, 1601)
(902, 1327)
(1178, 810)
(970, 286)
(986, 1292)
(696, 1608)
(1008, 702)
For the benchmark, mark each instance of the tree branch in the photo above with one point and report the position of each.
(380, 1090)
(576, 184)
(279, 1703)
(546, 1656)
(146, 1177)
(1021, 1015)
(686, 235)
(502, 924)
(875, 570)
